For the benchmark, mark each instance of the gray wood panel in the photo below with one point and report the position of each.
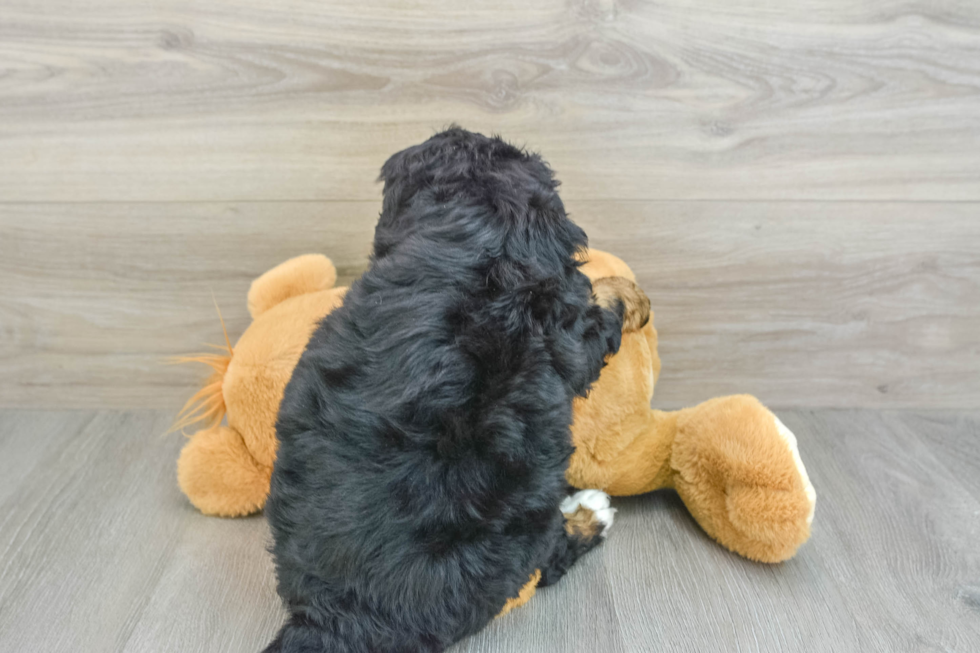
(303, 99)
(954, 440)
(195, 145)
(96, 536)
(806, 304)
(100, 552)
(95, 298)
(800, 303)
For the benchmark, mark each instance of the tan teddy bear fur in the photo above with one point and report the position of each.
(734, 464)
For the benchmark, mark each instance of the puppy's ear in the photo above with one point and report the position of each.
(408, 171)
(395, 174)
(402, 165)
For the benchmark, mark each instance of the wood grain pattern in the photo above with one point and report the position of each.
(303, 99)
(797, 186)
(154, 151)
(96, 298)
(97, 539)
(100, 552)
(800, 303)
(953, 439)
(843, 304)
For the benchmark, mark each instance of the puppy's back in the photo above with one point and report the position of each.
(424, 434)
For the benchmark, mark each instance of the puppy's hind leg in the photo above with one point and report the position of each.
(588, 518)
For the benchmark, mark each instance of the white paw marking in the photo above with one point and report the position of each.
(794, 448)
(595, 500)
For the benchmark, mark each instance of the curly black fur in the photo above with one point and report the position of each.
(424, 436)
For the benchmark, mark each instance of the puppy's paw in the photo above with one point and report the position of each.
(587, 513)
(612, 291)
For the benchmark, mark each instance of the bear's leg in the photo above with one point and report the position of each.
(220, 476)
(737, 470)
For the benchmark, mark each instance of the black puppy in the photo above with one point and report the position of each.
(424, 436)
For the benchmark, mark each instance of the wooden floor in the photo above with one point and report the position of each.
(100, 552)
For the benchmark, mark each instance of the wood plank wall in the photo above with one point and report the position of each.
(797, 185)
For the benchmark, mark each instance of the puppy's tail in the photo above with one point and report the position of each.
(300, 635)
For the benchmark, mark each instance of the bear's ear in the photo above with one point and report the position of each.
(297, 276)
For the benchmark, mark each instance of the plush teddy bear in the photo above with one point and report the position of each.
(734, 464)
